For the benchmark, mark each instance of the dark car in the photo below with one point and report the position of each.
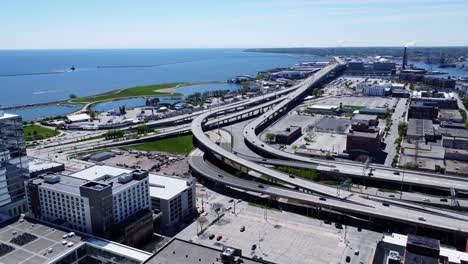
(242, 229)
(348, 259)
(211, 236)
(322, 199)
(396, 173)
(254, 247)
(231, 200)
(261, 186)
(385, 204)
(221, 176)
(218, 238)
(291, 176)
(443, 200)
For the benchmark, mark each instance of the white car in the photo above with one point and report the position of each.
(205, 214)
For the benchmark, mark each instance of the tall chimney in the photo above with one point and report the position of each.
(405, 59)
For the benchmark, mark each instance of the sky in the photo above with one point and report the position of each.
(88, 24)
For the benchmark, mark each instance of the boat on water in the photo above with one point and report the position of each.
(72, 68)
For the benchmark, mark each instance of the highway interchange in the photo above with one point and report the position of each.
(268, 107)
(346, 201)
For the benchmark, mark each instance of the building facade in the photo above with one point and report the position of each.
(94, 207)
(173, 197)
(13, 165)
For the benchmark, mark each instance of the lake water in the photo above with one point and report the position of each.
(99, 71)
(128, 68)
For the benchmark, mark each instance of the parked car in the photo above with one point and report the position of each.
(211, 236)
(348, 259)
(254, 247)
(242, 229)
(218, 238)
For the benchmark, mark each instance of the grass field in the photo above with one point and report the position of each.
(35, 132)
(177, 145)
(309, 174)
(138, 91)
(354, 107)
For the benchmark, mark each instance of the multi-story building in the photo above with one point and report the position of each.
(423, 110)
(13, 165)
(366, 143)
(173, 197)
(100, 207)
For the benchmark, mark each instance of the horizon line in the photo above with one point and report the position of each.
(243, 48)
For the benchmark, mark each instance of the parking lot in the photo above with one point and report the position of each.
(278, 236)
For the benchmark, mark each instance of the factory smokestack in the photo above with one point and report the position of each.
(405, 59)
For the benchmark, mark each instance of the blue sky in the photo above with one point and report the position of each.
(59, 24)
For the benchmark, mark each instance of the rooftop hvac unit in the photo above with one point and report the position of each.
(125, 178)
(52, 179)
(393, 257)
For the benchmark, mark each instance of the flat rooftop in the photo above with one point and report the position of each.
(48, 245)
(96, 172)
(37, 250)
(66, 184)
(39, 164)
(163, 187)
(184, 252)
(166, 187)
(6, 115)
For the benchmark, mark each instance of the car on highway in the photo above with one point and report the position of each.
(221, 176)
(238, 200)
(231, 200)
(322, 199)
(218, 238)
(291, 176)
(242, 229)
(385, 204)
(261, 186)
(370, 174)
(211, 236)
(426, 200)
(443, 200)
(396, 173)
(421, 218)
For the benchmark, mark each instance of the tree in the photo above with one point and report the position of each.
(92, 113)
(72, 96)
(270, 136)
(142, 129)
(411, 86)
(217, 208)
(315, 92)
(466, 124)
(202, 221)
(402, 129)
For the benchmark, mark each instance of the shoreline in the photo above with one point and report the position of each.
(68, 102)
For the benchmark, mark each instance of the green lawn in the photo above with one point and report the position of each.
(138, 91)
(178, 145)
(354, 107)
(309, 174)
(35, 132)
(388, 190)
